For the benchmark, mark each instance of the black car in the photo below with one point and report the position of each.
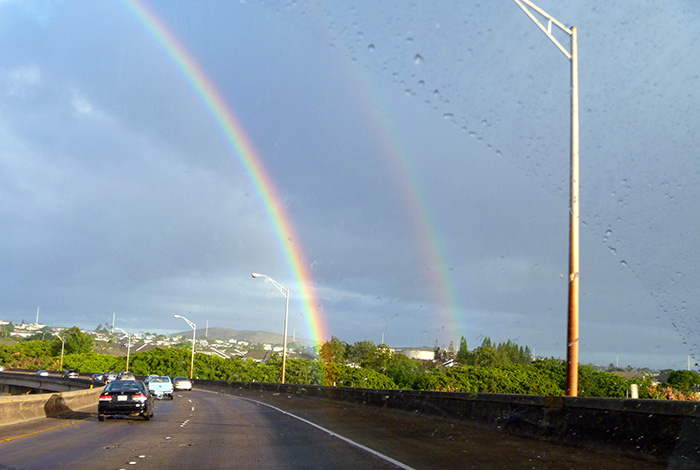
(124, 398)
(125, 375)
(109, 376)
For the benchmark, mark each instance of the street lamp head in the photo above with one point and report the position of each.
(257, 275)
(177, 316)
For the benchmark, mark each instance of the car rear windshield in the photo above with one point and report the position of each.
(123, 386)
(160, 380)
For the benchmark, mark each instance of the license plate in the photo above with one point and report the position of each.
(122, 398)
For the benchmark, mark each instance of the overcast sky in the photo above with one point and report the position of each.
(420, 151)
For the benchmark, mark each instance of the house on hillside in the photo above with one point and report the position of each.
(259, 356)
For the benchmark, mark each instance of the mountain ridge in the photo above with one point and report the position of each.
(251, 336)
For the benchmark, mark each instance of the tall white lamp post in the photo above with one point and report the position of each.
(572, 330)
(128, 348)
(285, 292)
(194, 332)
(63, 345)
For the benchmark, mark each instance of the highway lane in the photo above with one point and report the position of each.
(204, 430)
(197, 429)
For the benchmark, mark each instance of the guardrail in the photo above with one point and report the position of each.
(43, 384)
(654, 427)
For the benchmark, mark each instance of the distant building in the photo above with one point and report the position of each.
(422, 354)
(259, 356)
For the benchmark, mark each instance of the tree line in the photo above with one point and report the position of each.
(490, 368)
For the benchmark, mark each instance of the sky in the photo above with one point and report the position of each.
(402, 169)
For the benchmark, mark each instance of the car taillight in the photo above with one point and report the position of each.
(139, 397)
(105, 397)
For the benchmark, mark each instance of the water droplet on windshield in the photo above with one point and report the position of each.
(418, 59)
(371, 48)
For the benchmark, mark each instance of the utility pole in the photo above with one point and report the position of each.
(574, 218)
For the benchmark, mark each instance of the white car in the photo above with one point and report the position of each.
(182, 383)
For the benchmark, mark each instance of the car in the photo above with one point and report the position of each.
(182, 383)
(2, 368)
(125, 398)
(161, 387)
(125, 376)
(148, 379)
(70, 374)
(42, 373)
(97, 377)
(109, 376)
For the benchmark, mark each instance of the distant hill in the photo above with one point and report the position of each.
(226, 334)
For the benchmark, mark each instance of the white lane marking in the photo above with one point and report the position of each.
(329, 432)
(193, 409)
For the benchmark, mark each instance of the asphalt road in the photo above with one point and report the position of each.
(197, 429)
(203, 430)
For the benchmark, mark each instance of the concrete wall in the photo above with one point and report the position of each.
(17, 409)
(653, 427)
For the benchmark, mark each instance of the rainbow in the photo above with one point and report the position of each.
(423, 227)
(250, 159)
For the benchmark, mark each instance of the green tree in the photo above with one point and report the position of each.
(463, 352)
(683, 380)
(75, 342)
(333, 351)
(403, 371)
(6, 330)
(367, 354)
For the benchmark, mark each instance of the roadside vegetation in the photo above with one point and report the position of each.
(490, 368)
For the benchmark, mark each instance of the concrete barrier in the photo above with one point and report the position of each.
(22, 381)
(16, 409)
(657, 428)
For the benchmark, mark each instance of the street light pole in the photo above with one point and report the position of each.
(285, 292)
(128, 348)
(194, 332)
(574, 218)
(63, 344)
